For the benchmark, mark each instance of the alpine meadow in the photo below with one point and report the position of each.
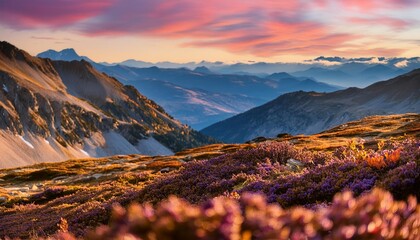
(211, 120)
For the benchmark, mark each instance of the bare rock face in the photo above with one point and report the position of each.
(23, 109)
(71, 102)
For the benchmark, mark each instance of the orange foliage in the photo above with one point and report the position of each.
(375, 161)
(394, 156)
(379, 161)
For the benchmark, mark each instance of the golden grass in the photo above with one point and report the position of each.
(372, 129)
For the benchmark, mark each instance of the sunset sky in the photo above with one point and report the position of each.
(214, 30)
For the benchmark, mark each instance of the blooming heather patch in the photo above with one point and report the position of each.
(201, 180)
(302, 182)
(269, 169)
(375, 215)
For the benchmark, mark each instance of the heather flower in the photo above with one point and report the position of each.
(295, 203)
(375, 215)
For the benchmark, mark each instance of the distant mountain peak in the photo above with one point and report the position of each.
(202, 69)
(67, 54)
(69, 50)
(279, 75)
(66, 51)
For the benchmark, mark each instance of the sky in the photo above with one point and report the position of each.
(214, 30)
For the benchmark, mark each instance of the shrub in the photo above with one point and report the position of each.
(375, 215)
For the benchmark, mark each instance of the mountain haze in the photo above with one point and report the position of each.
(201, 97)
(312, 112)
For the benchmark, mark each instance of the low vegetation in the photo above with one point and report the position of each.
(375, 215)
(273, 189)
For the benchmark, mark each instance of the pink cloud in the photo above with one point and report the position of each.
(25, 14)
(277, 38)
(372, 5)
(375, 21)
(262, 28)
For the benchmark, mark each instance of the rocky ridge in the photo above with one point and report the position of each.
(68, 109)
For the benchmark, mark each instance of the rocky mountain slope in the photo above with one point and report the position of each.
(55, 110)
(311, 112)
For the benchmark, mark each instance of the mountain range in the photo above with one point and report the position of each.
(324, 69)
(206, 94)
(200, 97)
(56, 110)
(312, 112)
(347, 72)
(352, 74)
